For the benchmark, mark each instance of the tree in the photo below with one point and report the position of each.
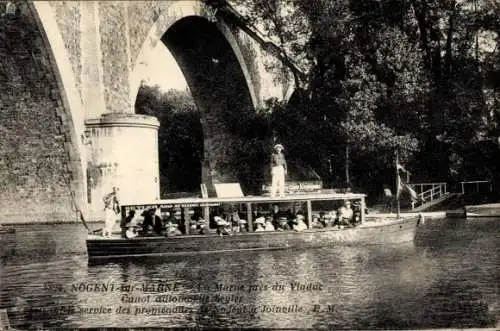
(386, 75)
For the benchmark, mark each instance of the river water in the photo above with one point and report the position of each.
(449, 277)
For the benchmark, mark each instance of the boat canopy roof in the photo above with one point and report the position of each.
(212, 202)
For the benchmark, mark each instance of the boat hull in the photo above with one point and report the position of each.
(485, 210)
(5, 230)
(384, 232)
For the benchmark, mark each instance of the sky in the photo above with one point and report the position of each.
(162, 70)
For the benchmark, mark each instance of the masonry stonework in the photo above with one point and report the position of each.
(36, 172)
(68, 17)
(100, 46)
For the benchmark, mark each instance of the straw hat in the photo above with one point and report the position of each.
(260, 220)
(219, 220)
(242, 221)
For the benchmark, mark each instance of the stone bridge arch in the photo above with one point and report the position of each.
(216, 72)
(165, 20)
(68, 92)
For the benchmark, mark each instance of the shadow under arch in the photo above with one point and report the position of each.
(218, 86)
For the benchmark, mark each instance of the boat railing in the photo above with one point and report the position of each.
(475, 186)
(247, 202)
(428, 192)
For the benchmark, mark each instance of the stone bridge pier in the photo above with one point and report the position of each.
(69, 77)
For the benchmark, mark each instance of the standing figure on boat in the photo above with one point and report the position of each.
(278, 171)
(111, 209)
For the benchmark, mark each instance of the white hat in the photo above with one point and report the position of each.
(260, 220)
(220, 221)
(279, 145)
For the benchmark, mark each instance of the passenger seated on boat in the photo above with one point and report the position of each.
(147, 223)
(316, 224)
(179, 220)
(299, 224)
(234, 218)
(259, 224)
(268, 225)
(277, 214)
(216, 212)
(329, 219)
(171, 229)
(243, 225)
(131, 227)
(202, 229)
(158, 222)
(131, 232)
(257, 212)
(345, 214)
(282, 224)
(223, 226)
(125, 222)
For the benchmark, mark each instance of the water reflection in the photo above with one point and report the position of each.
(448, 278)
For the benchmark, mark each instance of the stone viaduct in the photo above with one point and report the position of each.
(69, 76)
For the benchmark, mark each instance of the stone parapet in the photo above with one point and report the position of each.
(124, 120)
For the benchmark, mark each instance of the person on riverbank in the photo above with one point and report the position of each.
(278, 171)
(111, 209)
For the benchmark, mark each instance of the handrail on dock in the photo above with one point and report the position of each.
(477, 183)
(432, 191)
(428, 192)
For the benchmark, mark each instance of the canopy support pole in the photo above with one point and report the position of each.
(249, 217)
(309, 214)
(206, 217)
(363, 207)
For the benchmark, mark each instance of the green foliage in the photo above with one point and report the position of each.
(180, 137)
(420, 77)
